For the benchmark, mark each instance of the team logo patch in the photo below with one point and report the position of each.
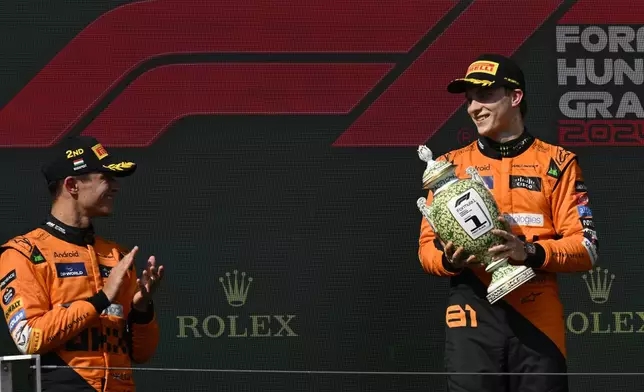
(70, 270)
(529, 183)
(36, 256)
(553, 169)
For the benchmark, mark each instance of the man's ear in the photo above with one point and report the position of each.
(517, 97)
(70, 184)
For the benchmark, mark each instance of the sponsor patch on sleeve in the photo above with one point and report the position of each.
(20, 335)
(590, 248)
(104, 270)
(8, 278)
(8, 295)
(580, 187)
(581, 198)
(114, 310)
(591, 235)
(587, 223)
(584, 211)
(11, 308)
(13, 322)
(35, 340)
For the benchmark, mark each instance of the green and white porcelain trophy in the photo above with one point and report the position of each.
(464, 211)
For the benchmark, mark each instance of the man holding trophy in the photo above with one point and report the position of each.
(504, 215)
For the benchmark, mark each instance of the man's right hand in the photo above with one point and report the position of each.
(117, 275)
(457, 257)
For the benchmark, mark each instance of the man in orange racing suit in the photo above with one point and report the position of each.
(72, 296)
(541, 195)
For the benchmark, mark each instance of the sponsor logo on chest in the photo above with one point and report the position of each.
(535, 220)
(70, 270)
(529, 183)
(66, 255)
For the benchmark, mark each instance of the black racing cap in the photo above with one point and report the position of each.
(78, 155)
(490, 70)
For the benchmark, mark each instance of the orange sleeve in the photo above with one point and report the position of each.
(144, 332)
(35, 327)
(577, 249)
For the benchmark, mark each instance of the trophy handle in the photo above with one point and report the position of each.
(421, 203)
(474, 174)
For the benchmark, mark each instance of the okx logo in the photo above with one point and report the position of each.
(600, 320)
(235, 290)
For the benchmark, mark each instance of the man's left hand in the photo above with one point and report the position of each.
(148, 283)
(513, 248)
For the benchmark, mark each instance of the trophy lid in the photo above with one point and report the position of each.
(435, 169)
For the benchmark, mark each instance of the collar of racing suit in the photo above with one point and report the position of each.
(513, 148)
(75, 235)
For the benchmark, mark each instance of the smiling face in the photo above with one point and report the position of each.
(492, 109)
(94, 193)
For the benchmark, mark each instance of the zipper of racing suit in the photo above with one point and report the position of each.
(98, 283)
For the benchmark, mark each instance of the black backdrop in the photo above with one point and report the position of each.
(327, 232)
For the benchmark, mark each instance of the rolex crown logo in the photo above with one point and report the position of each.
(599, 285)
(237, 289)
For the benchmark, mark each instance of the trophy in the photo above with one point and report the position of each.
(464, 211)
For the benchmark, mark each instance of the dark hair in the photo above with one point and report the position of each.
(523, 105)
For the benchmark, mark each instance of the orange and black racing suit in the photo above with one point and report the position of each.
(51, 281)
(541, 190)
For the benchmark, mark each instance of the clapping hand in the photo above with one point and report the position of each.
(148, 284)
